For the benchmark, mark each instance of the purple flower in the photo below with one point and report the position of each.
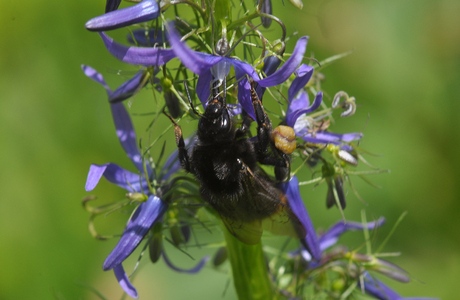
(210, 67)
(381, 291)
(142, 12)
(331, 236)
(299, 106)
(291, 189)
(124, 91)
(314, 245)
(271, 63)
(124, 127)
(148, 212)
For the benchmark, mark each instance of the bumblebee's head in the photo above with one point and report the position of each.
(216, 123)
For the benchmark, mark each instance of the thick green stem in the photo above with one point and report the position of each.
(249, 268)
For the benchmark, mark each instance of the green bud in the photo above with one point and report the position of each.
(338, 284)
(166, 83)
(172, 102)
(285, 280)
(258, 64)
(137, 197)
(327, 170)
(279, 47)
(220, 257)
(155, 245)
(176, 235)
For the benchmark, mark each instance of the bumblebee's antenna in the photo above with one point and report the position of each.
(190, 101)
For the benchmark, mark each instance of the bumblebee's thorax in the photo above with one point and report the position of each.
(216, 125)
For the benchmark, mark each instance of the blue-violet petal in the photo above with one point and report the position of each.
(142, 12)
(137, 55)
(145, 216)
(193, 270)
(124, 282)
(291, 189)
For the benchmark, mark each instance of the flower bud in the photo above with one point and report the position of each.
(220, 257)
(222, 47)
(172, 102)
(279, 47)
(338, 284)
(166, 82)
(137, 197)
(271, 63)
(185, 229)
(176, 235)
(297, 3)
(349, 157)
(266, 9)
(391, 270)
(336, 186)
(155, 246)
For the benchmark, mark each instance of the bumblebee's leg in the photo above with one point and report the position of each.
(282, 173)
(264, 125)
(240, 132)
(182, 152)
(264, 130)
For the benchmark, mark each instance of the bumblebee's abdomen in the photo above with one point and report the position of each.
(223, 180)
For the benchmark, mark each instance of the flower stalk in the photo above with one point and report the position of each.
(249, 269)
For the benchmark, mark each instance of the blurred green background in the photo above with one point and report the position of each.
(55, 122)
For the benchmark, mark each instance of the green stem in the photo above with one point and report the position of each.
(242, 21)
(249, 269)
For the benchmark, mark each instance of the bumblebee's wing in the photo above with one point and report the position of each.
(281, 221)
(284, 222)
(247, 232)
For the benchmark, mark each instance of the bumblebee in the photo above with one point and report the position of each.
(225, 161)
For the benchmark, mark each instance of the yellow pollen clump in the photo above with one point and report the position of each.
(284, 139)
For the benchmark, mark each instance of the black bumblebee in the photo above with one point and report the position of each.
(225, 162)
